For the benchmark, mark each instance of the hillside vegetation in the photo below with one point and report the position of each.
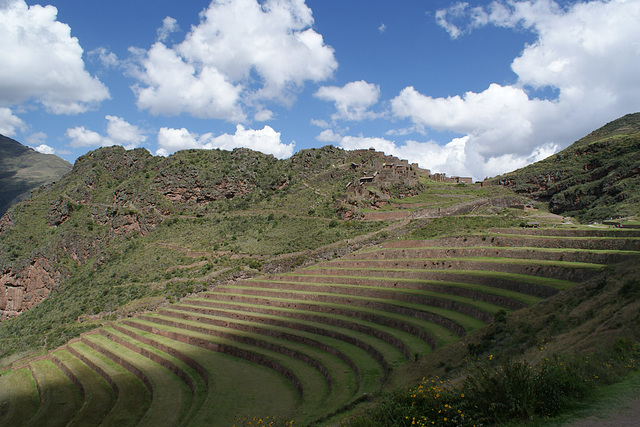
(23, 169)
(331, 288)
(596, 178)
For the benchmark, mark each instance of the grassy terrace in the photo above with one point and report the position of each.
(343, 340)
(372, 334)
(375, 273)
(228, 380)
(19, 397)
(133, 398)
(440, 288)
(307, 383)
(99, 397)
(60, 399)
(306, 344)
(384, 308)
(412, 332)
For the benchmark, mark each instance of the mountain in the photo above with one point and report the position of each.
(127, 217)
(23, 169)
(210, 285)
(596, 178)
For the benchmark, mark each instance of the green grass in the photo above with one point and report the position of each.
(453, 225)
(485, 306)
(343, 379)
(504, 393)
(496, 260)
(314, 385)
(392, 353)
(99, 396)
(60, 398)
(133, 398)
(419, 244)
(198, 383)
(321, 332)
(605, 403)
(235, 386)
(415, 344)
(441, 334)
(527, 299)
(171, 397)
(546, 281)
(18, 397)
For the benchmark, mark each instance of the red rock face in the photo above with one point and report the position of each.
(22, 290)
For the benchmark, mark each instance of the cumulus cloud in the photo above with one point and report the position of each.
(241, 54)
(44, 149)
(42, 62)
(9, 122)
(588, 53)
(36, 139)
(169, 26)
(107, 58)
(459, 157)
(171, 86)
(119, 132)
(265, 140)
(83, 137)
(352, 101)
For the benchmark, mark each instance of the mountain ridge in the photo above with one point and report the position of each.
(22, 169)
(595, 178)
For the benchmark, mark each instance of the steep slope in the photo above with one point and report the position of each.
(595, 178)
(125, 225)
(23, 169)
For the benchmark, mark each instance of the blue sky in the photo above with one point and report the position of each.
(466, 88)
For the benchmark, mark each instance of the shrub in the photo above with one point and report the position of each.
(503, 393)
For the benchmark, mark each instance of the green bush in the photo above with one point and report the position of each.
(506, 393)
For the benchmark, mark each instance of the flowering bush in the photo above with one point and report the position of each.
(495, 393)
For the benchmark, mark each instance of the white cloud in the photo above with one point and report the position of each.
(36, 139)
(382, 28)
(263, 115)
(329, 135)
(83, 137)
(169, 26)
(44, 149)
(352, 101)
(42, 62)
(588, 53)
(174, 86)
(9, 122)
(319, 123)
(119, 132)
(498, 119)
(107, 58)
(459, 157)
(241, 54)
(265, 140)
(123, 133)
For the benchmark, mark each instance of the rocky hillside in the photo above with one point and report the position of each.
(241, 208)
(597, 177)
(23, 169)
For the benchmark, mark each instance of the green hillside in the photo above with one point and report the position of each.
(332, 288)
(23, 169)
(125, 226)
(596, 178)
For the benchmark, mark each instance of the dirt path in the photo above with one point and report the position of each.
(627, 416)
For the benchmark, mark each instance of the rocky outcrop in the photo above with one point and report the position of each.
(195, 191)
(22, 290)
